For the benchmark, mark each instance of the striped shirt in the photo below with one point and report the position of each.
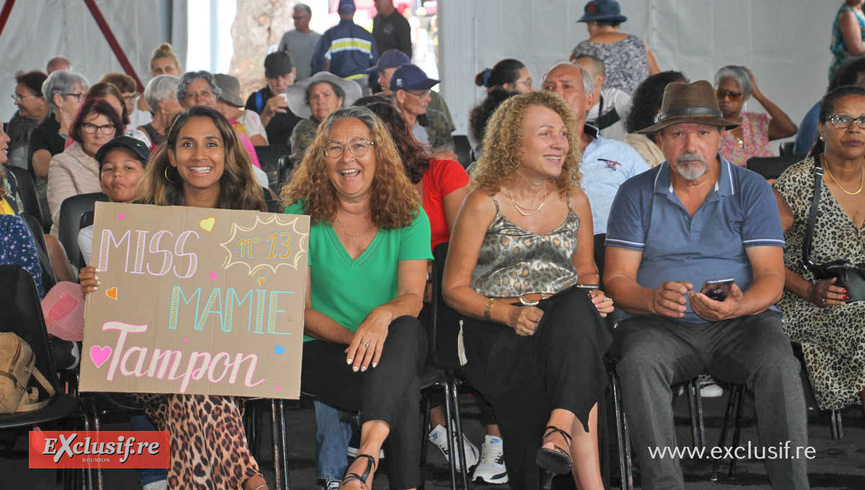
(350, 48)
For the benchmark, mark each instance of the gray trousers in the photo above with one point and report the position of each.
(656, 353)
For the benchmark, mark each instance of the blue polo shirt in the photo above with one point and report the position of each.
(740, 212)
(606, 164)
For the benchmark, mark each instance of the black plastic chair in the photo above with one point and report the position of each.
(771, 167)
(268, 158)
(463, 149)
(255, 409)
(284, 167)
(71, 211)
(48, 277)
(444, 363)
(22, 314)
(29, 196)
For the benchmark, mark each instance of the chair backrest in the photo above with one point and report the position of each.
(600, 238)
(771, 167)
(273, 205)
(268, 158)
(463, 149)
(22, 314)
(48, 278)
(786, 148)
(444, 322)
(284, 168)
(29, 196)
(70, 222)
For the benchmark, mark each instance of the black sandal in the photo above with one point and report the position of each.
(361, 478)
(556, 461)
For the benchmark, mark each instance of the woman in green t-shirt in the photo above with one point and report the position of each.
(369, 245)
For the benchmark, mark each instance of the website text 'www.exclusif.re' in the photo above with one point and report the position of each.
(749, 451)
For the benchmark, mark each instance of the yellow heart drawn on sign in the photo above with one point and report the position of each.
(207, 224)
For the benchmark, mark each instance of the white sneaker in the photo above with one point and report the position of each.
(157, 485)
(492, 469)
(439, 435)
(708, 387)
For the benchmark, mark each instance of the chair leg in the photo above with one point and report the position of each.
(700, 419)
(454, 393)
(692, 411)
(722, 441)
(737, 433)
(280, 459)
(622, 435)
(837, 428)
(423, 437)
(451, 460)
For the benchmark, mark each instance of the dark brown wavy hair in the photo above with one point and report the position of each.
(414, 156)
(502, 151)
(238, 187)
(394, 202)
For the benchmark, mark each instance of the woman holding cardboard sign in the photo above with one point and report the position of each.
(201, 165)
(369, 244)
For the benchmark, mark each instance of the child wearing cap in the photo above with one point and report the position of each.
(121, 166)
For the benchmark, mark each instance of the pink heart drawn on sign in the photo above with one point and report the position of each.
(277, 387)
(213, 275)
(121, 216)
(100, 354)
(185, 341)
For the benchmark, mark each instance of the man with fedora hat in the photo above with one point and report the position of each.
(691, 221)
(411, 95)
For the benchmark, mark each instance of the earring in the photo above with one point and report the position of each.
(169, 178)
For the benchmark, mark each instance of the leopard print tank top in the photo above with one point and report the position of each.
(514, 261)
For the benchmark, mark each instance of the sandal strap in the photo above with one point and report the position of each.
(550, 430)
(361, 478)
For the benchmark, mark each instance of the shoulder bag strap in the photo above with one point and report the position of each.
(812, 217)
(31, 407)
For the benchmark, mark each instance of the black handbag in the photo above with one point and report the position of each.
(850, 276)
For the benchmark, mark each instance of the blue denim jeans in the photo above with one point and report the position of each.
(333, 428)
(147, 475)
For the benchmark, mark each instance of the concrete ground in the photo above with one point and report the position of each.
(839, 464)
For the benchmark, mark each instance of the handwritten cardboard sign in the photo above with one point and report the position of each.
(196, 301)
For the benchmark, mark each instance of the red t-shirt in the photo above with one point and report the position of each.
(442, 178)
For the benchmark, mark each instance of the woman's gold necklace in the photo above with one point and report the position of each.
(528, 211)
(845, 191)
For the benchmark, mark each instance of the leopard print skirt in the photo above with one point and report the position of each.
(209, 449)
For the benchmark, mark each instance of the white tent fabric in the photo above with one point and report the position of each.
(38, 30)
(784, 42)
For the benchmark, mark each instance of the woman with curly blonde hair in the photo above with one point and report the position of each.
(518, 269)
(369, 244)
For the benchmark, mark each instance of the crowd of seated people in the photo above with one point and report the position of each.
(379, 177)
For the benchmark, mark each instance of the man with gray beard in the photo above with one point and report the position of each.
(692, 219)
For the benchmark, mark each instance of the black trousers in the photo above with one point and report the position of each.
(525, 378)
(389, 392)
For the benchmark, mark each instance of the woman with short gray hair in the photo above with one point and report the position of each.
(161, 97)
(63, 91)
(734, 85)
(198, 94)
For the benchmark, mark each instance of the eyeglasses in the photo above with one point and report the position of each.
(721, 93)
(204, 94)
(129, 96)
(107, 129)
(527, 82)
(420, 94)
(79, 96)
(357, 147)
(18, 99)
(296, 17)
(841, 121)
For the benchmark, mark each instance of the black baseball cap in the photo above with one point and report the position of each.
(136, 146)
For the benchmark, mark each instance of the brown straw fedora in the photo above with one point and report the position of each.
(689, 103)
